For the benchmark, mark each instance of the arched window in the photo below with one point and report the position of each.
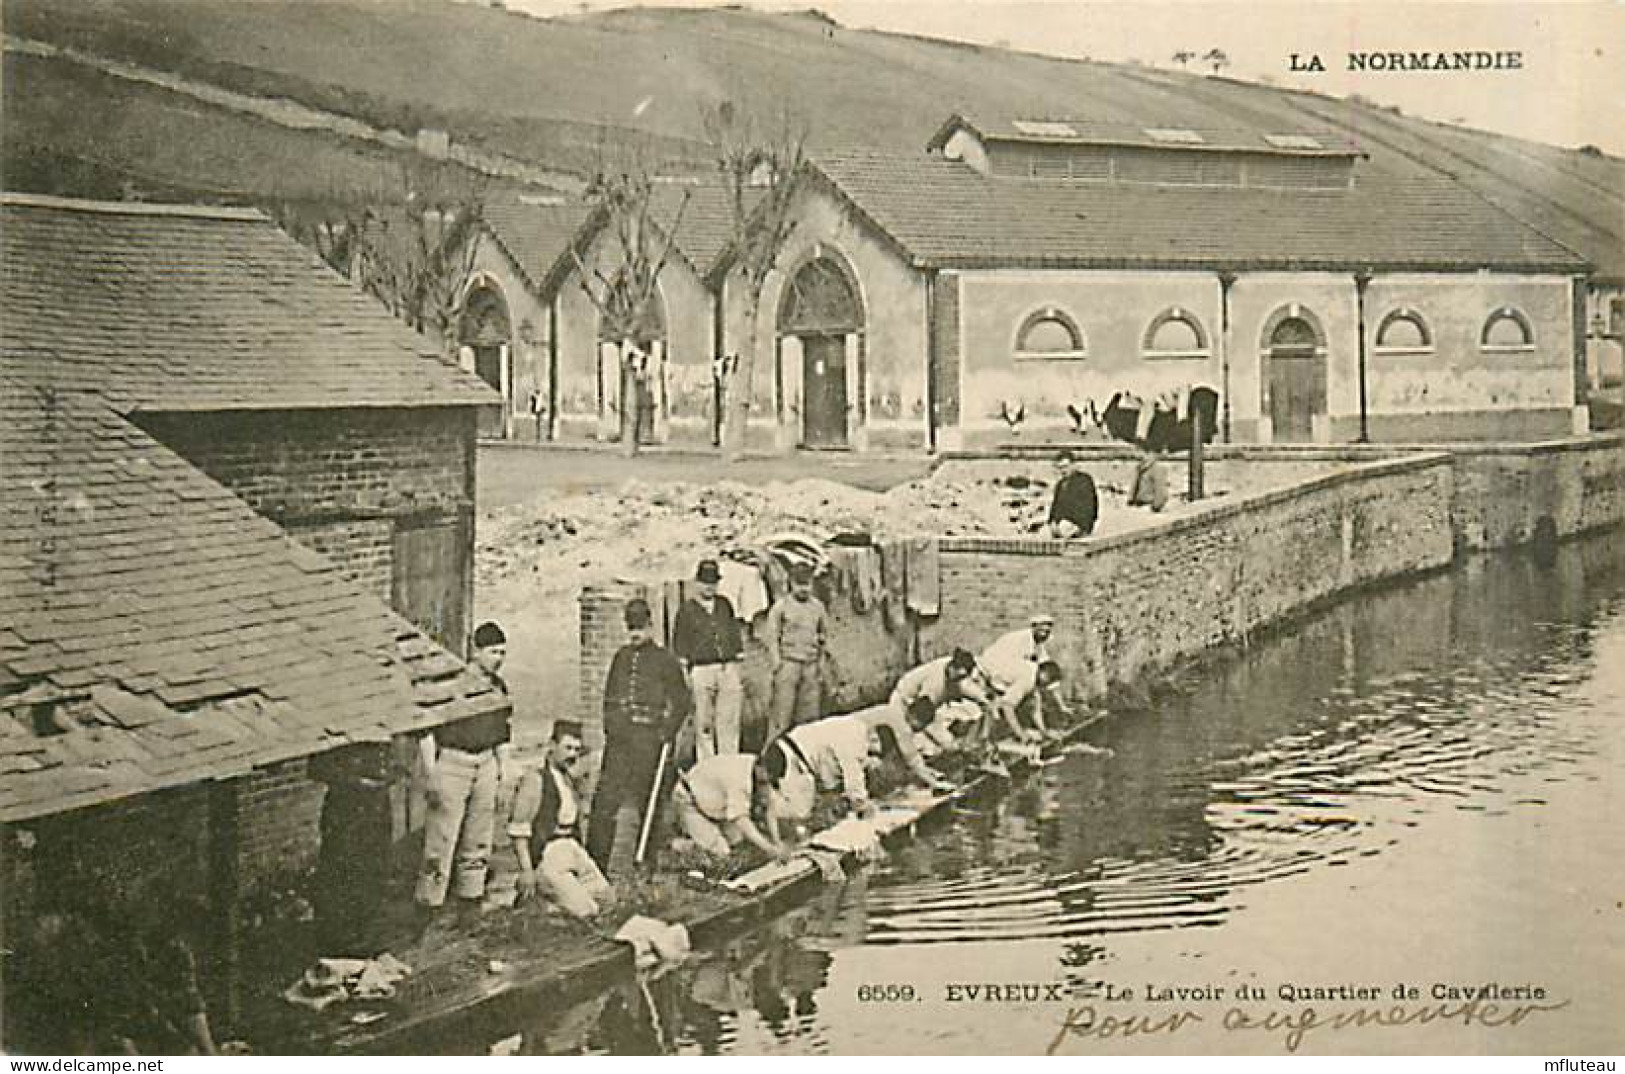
(1175, 333)
(1403, 331)
(1507, 329)
(1049, 333)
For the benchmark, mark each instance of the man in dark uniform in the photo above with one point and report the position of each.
(646, 700)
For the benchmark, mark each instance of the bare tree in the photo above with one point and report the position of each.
(1216, 58)
(759, 162)
(622, 279)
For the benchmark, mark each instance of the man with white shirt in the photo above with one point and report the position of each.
(1021, 672)
(824, 756)
(545, 827)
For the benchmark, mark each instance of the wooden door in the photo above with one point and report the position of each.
(823, 396)
(1297, 382)
(429, 575)
(493, 420)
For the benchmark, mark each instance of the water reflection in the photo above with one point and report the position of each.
(764, 986)
(1311, 750)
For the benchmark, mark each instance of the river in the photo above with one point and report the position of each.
(1421, 787)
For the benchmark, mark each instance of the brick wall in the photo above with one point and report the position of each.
(343, 482)
(305, 466)
(278, 824)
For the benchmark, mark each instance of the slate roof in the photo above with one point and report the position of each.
(941, 213)
(1065, 130)
(179, 308)
(535, 233)
(174, 633)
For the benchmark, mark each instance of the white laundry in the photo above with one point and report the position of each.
(654, 941)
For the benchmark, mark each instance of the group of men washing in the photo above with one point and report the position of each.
(959, 704)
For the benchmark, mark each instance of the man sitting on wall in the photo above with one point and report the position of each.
(1150, 487)
(545, 826)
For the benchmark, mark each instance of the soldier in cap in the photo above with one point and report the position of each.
(461, 764)
(646, 701)
(545, 826)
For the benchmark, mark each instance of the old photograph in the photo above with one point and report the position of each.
(946, 527)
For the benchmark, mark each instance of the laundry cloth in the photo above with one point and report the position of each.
(924, 577)
(743, 586)
(654, 941)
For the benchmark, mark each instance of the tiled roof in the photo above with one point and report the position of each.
(169, 631)
(706, 227)
(1576, 198)
(538, 235)
(942, 214)
(1166, 129)
(180, 308)
(535, 232)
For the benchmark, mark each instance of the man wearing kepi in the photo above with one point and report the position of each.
(461, 770)
(795, 634)
(707, 640)
(546, 832)
(646, 701)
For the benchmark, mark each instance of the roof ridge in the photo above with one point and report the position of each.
(134, 208)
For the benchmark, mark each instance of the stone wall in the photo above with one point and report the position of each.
(1504, 491)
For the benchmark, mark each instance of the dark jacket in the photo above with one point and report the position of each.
(702, 637)
(1076, 501)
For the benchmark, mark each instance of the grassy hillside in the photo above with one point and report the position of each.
(72, 130)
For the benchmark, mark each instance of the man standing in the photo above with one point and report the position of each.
(646, 701)
(707, 640)
(1012, 665)
(461, 770)
(1076, 505)
(796, 632)
(546, 832)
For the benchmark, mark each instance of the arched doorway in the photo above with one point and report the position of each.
(1294, 381)
(485, 329)
(632, 369)
(821, 322)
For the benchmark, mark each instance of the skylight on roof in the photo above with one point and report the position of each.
(1176, 135)
(1293, 141)
(1044, 128)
